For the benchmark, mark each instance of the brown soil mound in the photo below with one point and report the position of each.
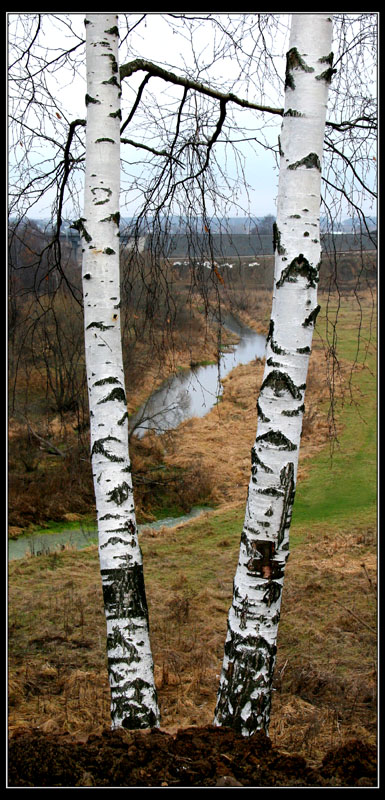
(196, 756)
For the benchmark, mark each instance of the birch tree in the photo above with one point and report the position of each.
(130, 664)
(244, 696)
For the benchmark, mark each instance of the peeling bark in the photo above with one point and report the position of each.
(244, 696)
(130, 665)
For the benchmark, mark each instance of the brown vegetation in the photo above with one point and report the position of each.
(325, 679)
(325, 683)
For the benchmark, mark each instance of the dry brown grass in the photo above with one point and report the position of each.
(220, 442)
(325, 682)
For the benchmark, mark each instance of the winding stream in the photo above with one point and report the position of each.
(41, 543)
(195, 392)
(187, 394)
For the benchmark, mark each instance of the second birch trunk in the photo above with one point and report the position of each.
(244, 695)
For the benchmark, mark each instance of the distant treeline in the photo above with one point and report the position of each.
(240, 245)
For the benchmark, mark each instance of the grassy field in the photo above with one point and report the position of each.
(325, 681)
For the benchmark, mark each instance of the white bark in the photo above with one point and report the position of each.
(130, 665)
(244, 694)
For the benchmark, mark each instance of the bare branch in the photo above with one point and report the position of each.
(140, 64)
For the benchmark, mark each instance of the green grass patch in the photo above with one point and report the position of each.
(86, 523)
(343, 484)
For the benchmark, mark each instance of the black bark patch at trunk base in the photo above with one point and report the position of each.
(195, 756)
(248, 656)
(129, 705)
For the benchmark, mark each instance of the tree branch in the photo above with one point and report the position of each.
(152, 150)
(147, 66)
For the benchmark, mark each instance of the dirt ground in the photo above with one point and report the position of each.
(195, 756)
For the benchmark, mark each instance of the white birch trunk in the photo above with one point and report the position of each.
(130, 665)
(244, 695)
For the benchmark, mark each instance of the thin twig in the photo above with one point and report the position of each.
(356, 617)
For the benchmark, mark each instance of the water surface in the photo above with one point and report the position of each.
(195, 392)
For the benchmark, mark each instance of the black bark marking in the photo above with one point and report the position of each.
(114, 540)
(116, 394)
(276, 439)
(255, 463)
(327, 59)
(271, 363)
(294, 61)
(116, 639)
(99, 449)
(310, 161)
(281, 382)
(311, 319)
(99, 325)
(114, 31)
(273, 344)
(296, 412)
(112, 218)
(90, 99)
(261, 415)
(104, 381)
(247, 657)
(287, 484)
(277, 240)
(120, 494)
(102, 189)
(128, 527)
(291, 112)
(113, 81)
(300, 266)
(327, 75)
(272, 594)
(124, 593)
(78, 226)
(263, 562)
(114, 64)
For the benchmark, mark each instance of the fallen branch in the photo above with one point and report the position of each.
(51, 448)
(373, 630)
